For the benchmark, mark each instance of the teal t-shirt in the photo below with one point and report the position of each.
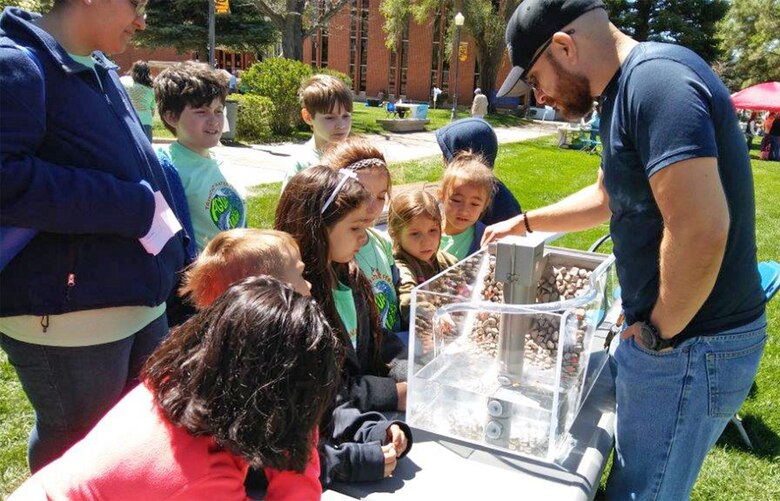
(458, 245)
(345, 305)
(376, 260)
(215, 205)
(88, 62)
(302, 161)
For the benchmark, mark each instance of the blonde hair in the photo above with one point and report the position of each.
(405, 207)
(234, 255)
(356, 153)
(321, 94)
(470, 168)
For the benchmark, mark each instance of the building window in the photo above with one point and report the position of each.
(440, 63)
(399, 62)
(476, 77)
(324, 48)
(358, 43)
(353, 30)
(319, 40)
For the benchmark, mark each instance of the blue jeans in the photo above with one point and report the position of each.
(673, 406)
(71, 388)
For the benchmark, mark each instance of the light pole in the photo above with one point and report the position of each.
(459, 20)
(212, 32)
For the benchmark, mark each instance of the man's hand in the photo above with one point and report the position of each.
(397, 438)
(400, 389)
(391, 459)
(632, 331)
(512, 226)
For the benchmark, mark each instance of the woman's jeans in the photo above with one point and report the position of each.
(71, 388)
(673, 406)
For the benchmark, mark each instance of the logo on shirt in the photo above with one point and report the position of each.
(384, 293)
(226, 208)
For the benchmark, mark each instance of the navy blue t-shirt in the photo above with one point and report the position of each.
(664, 106)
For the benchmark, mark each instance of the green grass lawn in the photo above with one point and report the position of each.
(364, 118)
(158, 129)
(539, 173)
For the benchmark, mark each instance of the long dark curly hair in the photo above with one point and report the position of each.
(298, 213)
(256, 370)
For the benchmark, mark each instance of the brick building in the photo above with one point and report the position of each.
(354, 43)
(159, 57)
(163, 54)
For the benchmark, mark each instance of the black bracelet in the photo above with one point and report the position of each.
(527, 226)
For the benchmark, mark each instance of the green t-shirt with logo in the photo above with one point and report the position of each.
(458, 245)
(215, 205)
(376, 260)
(345, 305)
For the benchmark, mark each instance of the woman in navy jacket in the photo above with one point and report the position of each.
(83, 303)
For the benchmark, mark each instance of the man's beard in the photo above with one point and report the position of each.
(574, 100)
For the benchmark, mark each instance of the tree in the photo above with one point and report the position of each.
(28, 5)
(298, 19)
(750, 35)
(691, 23)
(183, 24)
(485, 21)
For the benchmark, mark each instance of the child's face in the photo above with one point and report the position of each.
(293, 273)
(329, 127)
(420, 238)
(199, 128)
(463, 205)
(346, 237)
(376, 182)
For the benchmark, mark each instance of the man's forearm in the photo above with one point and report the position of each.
(689, 266)
(582, 210)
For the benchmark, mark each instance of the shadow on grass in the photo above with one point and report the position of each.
(753, 391)
(766, 442)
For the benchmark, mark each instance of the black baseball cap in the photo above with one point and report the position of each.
(530, 28)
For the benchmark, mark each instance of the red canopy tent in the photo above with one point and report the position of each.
(761, 97)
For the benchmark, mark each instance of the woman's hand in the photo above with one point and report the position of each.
(391, 459)
(397, 437)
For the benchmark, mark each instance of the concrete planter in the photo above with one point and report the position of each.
(403, 124)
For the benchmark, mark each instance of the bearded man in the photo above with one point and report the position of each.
(676, 185)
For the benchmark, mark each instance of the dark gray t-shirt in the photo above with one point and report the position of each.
(666, 105)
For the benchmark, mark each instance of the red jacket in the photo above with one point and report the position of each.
(135, 453)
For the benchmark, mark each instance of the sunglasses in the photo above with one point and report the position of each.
(532, 82)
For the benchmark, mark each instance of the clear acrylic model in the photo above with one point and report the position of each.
(500, 345)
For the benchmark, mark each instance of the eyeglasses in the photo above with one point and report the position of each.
(532, 82)
(140, 7)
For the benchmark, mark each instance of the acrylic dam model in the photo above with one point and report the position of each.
(500, 345)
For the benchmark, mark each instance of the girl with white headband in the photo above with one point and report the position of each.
(375, 258)
(327, 212)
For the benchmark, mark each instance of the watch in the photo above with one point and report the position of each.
(651, 338)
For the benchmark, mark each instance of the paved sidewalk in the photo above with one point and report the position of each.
(248, 166)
